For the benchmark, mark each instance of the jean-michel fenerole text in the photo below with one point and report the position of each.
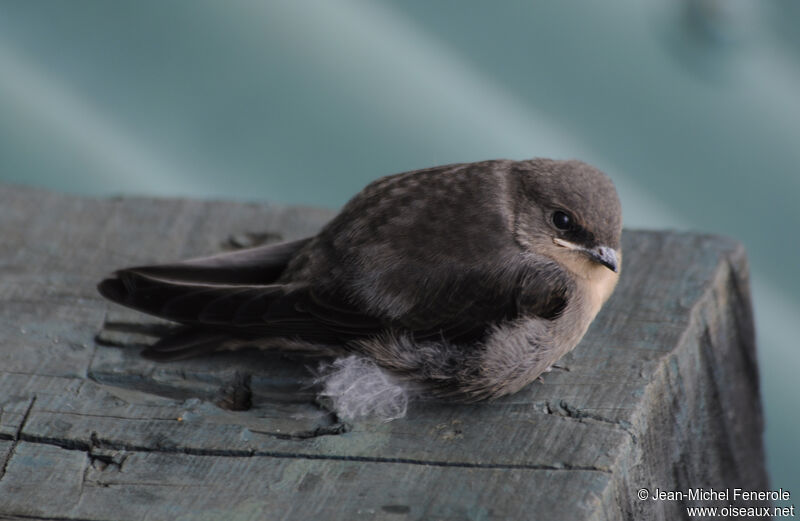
(726, 494)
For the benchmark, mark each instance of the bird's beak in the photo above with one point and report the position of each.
(600, 254)
(605, 256)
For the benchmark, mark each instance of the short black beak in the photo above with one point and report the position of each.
(605, 256)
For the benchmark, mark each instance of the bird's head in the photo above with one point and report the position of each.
(570, 212)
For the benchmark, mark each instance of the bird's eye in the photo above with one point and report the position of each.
(562, 220)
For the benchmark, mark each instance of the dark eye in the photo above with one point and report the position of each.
(562, 220)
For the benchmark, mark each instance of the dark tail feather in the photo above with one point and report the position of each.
(228, 288)
(185, 342)
(192, 303)
(113, 290)
(259, 266)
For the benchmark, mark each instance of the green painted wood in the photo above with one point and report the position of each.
(662, 392)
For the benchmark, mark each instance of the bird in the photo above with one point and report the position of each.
(467, 280)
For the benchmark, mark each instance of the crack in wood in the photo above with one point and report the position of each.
(566, 410)
(112, 416)
(98, 443)
(16, 438)
(17, 517)
(333, 429)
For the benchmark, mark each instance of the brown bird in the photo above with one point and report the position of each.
(469, 280)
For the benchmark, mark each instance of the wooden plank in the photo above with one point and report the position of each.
(662, 392)
(148, 485)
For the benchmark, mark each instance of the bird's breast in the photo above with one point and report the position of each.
(601, 283)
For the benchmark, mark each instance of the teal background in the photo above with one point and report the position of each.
(692, 106)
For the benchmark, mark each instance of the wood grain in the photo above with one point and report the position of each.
(662, 392)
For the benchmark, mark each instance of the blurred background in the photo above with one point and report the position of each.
(692, 106)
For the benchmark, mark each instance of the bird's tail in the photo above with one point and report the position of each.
(219, 297)
(219, 289)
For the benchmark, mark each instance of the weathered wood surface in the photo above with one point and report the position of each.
(662, 392)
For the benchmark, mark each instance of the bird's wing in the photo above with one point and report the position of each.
(224, 294)
(259, 265)
(453, 305)
(236, 295)
(233, 294)
(195, 290)
(191, 302)
(217, 311)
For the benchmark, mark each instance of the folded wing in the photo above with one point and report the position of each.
(237, 295)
